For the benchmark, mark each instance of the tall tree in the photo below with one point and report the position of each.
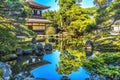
(65, 5)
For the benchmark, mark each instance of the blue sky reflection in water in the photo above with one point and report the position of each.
(49, 71)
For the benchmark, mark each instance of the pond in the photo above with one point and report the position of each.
(51, 66)
(49, 71)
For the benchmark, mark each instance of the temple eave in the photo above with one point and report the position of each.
(43, 21)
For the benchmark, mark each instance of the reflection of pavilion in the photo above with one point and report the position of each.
(37, 23)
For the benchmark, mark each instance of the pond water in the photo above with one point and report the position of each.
(49, 71)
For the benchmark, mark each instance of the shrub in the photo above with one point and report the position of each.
(50, 31)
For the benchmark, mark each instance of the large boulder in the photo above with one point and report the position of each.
(38, 50)
(48, 48)
(6, 71)
(40, 47)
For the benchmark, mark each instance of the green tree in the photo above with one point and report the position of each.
(64, 6)
(53, 16)
(80, 21)
(100, 3)
(106, 16)
(12, 16)
(106, 64)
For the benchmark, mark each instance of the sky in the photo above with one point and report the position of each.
(54, 6)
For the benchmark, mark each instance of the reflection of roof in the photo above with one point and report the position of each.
(36, 5)
(45, 21)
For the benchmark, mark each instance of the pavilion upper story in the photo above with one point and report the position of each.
(36, 22)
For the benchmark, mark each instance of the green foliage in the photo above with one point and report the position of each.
(23, 30)
(53, 16)
(7, 39)
(106, 64)
(80, 21)
(91, 10)
(18, 9)
(50, 31)
(70, 62)
(108, 15)
(100, 3)
(12, 16)
(0, 72)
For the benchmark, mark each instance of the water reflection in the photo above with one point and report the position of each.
(24, 63)
(61, 65)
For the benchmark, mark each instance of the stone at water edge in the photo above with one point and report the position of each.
(6, 71)
(40, 47)
(9, 57)
(97, 77)
(65, 78)
(20, 76)
(19, 51)
(89, 47)
(37, 52)
(48, 47)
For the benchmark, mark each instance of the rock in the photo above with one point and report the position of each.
(34, 41)
(65, 78)
(20, 76)
(27, 52)
(19, 51)
(31, 44)
(40, 47)
(89, 47)
(52, 39)
(97, 77)
(6, 71)
(48, 48)
(9, 57)
(37, 52)
(90, 57)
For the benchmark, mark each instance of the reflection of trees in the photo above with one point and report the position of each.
(70, 61)
(71, 58)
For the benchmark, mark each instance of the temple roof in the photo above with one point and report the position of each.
(36, 5)
(44, 21)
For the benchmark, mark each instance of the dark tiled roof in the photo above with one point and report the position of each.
(36, 5)
(44, 21)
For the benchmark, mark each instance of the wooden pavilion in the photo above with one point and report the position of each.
(37, 23)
